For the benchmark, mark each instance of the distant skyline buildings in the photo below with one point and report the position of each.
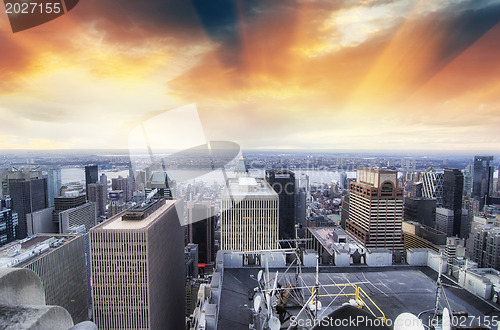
(91, 176)
(482, 184)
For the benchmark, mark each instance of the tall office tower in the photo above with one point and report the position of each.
(432, 186)
(160, 181)
(123, 184)
(453, 188)
(483, 243)
(343, 180)
(97, 193)
(283, 183)
(91, 176)
(444, 220)
(249, 220)
(482, 180)
(27, 196)
(53, 185)
(201, 229)
(137, 263)
(59, 261)
(301, 196)
(421, 210)
(468, 179)
(472, 207)
(103, 179)
(8, 221)
(376, 209)
(241, 168)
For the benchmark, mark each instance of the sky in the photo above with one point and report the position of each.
(392, 75)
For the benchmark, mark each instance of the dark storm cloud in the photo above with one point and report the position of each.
(462, 28)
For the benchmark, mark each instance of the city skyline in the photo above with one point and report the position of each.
(375, 75)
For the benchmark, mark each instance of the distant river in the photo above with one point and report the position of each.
(75, 174)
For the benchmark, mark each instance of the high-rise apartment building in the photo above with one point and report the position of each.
(91, 176)
(483, 244)
(97, 193)
(376, 209)
(123, 184)
(283, 183)
(249, 218)
(482, 180)
(453, 188)
(432, 186)
(137, 262)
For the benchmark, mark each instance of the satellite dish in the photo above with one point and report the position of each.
(446, 324)
(256, 303)
(408, 321)
(259, 275)
(274, 323)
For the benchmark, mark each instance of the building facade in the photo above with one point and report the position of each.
(482, 179)
(453, 188)
(137, 267)
(249, 218)
(91, 176)
(376, 209)
(432, 186)
(283, 183)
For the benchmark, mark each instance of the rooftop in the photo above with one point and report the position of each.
(387, 287)
(19, 253)
(247, 186)
(117, 223)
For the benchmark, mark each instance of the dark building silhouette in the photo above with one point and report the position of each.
(27, 196)
(91, 176)
(453, 188)
(421, 210)
(482, 179)
(283, 183)
(201, 230)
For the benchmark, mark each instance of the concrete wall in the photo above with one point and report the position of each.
(417, 257)
(475, 283)
(434, 260)
(379, 257)
(342, 258)
(41, 222)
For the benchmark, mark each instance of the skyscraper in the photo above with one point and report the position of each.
(249, 220)
(27, 196)
(482, 179)
(283, 183)
(432, 186)
(123, 184)
(137, 262)
(201, 230)
(91, 176)
(160, 181)
(97, 193)
(376, 209)
(53, 185)
(453, 188)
